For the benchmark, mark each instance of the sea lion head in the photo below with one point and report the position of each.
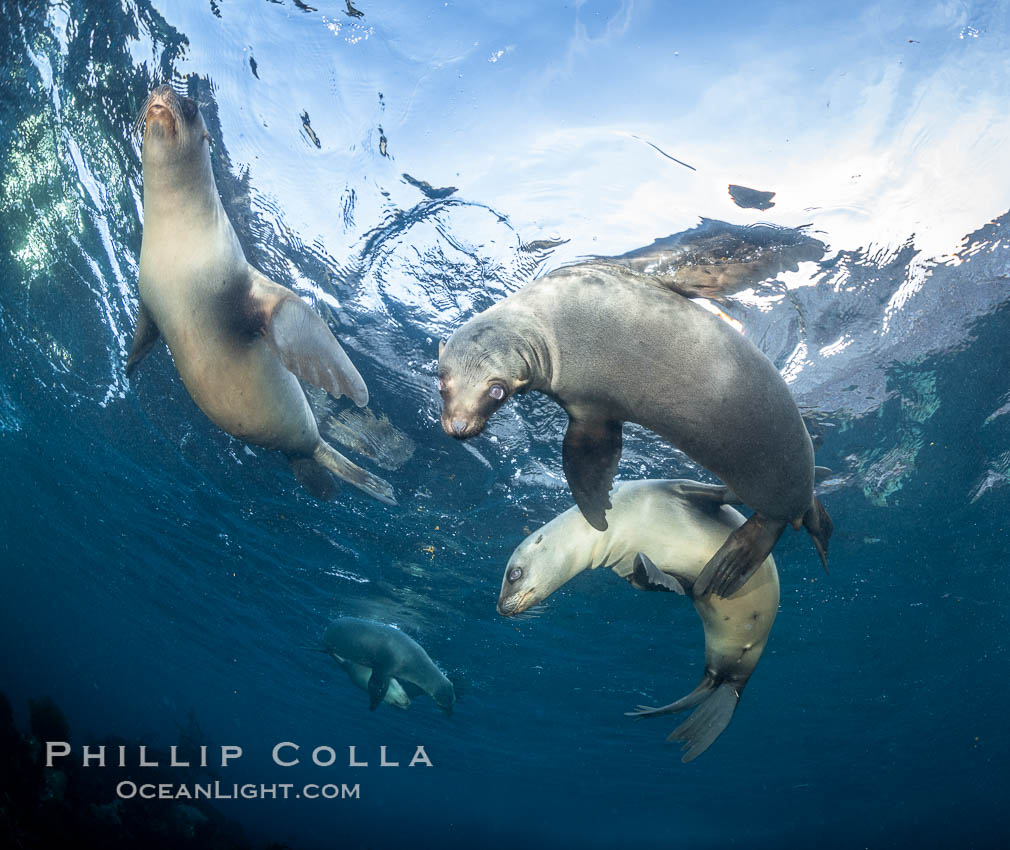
(538, 566)
(174, 130)
(481, 366)
(445, 696)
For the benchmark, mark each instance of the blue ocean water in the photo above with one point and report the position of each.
(155, 570)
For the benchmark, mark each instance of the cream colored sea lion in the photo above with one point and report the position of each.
(660, 536)
(390, 655)
(239, 340)
(612, 346)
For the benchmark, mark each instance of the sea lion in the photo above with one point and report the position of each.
(612, 346)
(239, 340)
(390, 655)
(660, 535)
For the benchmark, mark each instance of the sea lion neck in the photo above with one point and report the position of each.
(180, 187)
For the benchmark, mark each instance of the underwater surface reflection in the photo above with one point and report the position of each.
(401, 168)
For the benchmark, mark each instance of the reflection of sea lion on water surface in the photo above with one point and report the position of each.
(390, 657)
(612, 346)
(659, 537)
(239, 340)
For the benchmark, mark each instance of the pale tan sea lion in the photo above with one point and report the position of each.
(612, 346)
(239, 340)
(660, 535)
(390, 655)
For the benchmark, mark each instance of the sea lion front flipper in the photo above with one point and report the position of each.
(378, 684)
(329, 458)
(648, 576)
(590, 454)
(739, 557)
(314, 477)
(718, 494)
(145, 335)
(817, 522)
(305, 343)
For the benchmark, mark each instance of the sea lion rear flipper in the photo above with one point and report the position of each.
(715, 710)
(328, 457)
(590, 454)
(305, 343)
(648, 576)
(739, 557)
(145, 335)
(718, 494)
(707, 722)
(698, 695)
(378, 684)
(817, 522)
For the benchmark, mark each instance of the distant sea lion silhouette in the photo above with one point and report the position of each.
(390, 655)
(239, 340)
(660, 535)
(612, 346)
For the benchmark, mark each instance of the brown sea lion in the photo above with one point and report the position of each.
(612, 346)
(239, 340)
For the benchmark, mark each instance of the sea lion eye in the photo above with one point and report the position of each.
(515, 574)
(497, 392)
(189, 108)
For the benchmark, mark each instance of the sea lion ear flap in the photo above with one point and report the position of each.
(305, 343)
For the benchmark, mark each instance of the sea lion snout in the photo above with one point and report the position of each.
(160, 115)
(461, 428)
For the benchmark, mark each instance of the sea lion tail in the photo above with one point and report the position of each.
(817, 522)
(739, 557)
(707, 722)
(329, 458)
(715, 707)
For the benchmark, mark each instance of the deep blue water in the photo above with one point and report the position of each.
(154, 568)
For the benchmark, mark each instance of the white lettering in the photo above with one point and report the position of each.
(277, 754)
(144, 762)
(420, 757)
(51, 752)
(317, 758)
(175, 758)
(230, 752)
(87, 756)
(352, 760)
(382, 759)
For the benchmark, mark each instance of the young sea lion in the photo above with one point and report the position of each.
(660, 535)
(612, 346)
(391, 655)
(239, 340)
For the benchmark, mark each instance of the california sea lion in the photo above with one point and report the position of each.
(660, 536)
(612, 346)
(390, 654)
(239, 340)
